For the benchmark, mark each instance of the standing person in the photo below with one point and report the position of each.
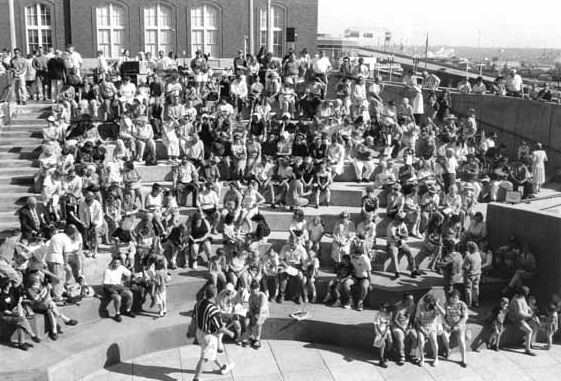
(73, 60)
(321, 67)
(455, 320)
(472, 274)
(19, 66)
(257, 314)
(57, 74)
(451, 265)
(539, 157)
(91, 215)
(521, 315)
(60, 246)
(494, 327)
(41, 78)
(209, 326)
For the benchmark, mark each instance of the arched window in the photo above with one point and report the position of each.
(205, 30)
(110, 29)
(158, 29)
(278, 30)
(38, 27)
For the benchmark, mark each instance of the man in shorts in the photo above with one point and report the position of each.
(209, 326)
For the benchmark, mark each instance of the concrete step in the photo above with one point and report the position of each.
(20, 155)
(15, 142)
(29, 122)
(27, 150)
(20, 134)
(17, 172)
(17, 162)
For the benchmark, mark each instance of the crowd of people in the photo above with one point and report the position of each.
(268, 132)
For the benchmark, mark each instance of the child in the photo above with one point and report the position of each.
(382, 332)
(257, 314)
(159, 286)
(551, 324)
(343, 271)
(316, 230)
(311, 272)
(270, 271)
(494, 327)
(170, 214)
(217, 267)
(251, 200)
(125, 248)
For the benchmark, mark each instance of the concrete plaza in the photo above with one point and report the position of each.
(300, 361)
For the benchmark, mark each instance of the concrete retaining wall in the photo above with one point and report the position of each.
(513, 119)
(541, 231)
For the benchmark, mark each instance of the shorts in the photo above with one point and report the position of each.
(208, 343)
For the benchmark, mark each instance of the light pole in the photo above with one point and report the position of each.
(391, 59)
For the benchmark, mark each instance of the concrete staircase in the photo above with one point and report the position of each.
(20, 146)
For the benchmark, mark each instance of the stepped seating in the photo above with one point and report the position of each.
(82, 350)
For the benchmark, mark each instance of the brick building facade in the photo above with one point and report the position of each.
(218, 27)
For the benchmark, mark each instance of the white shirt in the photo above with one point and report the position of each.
(321, 65)
(115, 276)
(361, 265)
(59, 244)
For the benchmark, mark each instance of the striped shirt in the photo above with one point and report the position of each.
(431, 82)
(207, 316)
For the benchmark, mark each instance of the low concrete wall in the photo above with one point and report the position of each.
(541, 231)
(513, 119)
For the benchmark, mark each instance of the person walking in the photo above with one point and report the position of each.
(209, 326)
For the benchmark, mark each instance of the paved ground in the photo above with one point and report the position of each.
(298, 361)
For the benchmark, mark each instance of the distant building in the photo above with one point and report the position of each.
(368, 36)
(218, 27)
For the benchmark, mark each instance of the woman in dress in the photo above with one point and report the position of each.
(253, 149)
(539, 157)
(323, 180)
(131, 179)
(336, 156)
(428, 310)
(173, 118)
(239, 157)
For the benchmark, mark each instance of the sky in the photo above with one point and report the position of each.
(506, 24)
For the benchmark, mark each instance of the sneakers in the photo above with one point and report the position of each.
(194, 266)
(347, 306)
(72, 322)
(227, 368)
(25, 346)
(360, 306)
(383, 363)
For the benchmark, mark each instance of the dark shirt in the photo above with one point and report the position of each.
(269, 148)
(300, 149)
(9, 300)
(257, 128)
(56, 68)
(156, 89)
